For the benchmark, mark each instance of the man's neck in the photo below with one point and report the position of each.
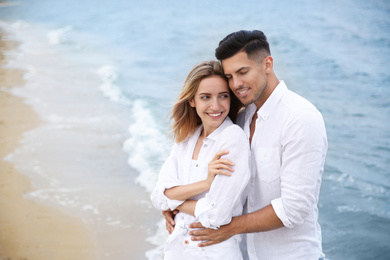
(271, 85)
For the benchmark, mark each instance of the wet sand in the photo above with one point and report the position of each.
(29, 230)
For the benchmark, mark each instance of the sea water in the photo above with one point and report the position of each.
(104, 74)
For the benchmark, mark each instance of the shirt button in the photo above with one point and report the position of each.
(196, 165)
(186, 242)
(205, 146)
(212, 204)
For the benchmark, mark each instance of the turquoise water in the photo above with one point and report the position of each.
(130, 57)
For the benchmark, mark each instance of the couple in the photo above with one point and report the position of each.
(261, 179)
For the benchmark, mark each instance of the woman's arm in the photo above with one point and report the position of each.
(226, 195)
(188, 207)
(184, 192)
(187, 191)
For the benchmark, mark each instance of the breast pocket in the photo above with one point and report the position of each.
(268, 164)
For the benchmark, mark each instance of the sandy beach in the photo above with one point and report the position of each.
(29, 230)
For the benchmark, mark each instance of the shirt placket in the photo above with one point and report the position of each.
(203, 155)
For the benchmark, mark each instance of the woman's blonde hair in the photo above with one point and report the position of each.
(184, 117)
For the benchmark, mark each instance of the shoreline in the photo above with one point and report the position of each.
(29, 230)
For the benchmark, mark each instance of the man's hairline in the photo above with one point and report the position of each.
(250, 57)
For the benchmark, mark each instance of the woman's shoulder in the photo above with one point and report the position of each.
(233, 128)
(234, 132)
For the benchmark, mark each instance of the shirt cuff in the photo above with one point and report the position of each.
(277, 204)
(165, 202)
(202, 206)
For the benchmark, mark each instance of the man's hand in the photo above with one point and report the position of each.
(210, 236)
(169, 220)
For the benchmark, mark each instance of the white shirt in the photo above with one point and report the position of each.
(288, 151)
(227, 194)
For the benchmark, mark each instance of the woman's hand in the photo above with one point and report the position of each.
(219, 166)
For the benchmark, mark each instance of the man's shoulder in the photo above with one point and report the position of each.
(296, 101)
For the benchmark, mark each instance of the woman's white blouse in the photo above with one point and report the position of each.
(227, 194)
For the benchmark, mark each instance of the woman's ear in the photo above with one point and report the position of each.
(192, 103)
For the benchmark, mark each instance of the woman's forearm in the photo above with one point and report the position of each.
(184, 192)
(188, 207)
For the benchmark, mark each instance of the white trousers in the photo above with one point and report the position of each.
(180, 246)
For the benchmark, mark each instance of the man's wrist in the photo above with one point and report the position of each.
(236, 226)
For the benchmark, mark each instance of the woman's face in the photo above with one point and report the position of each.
(212, 102)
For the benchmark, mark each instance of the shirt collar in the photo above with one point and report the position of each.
(215, 134)
(269, 105)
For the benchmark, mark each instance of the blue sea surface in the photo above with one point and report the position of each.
(136, 54)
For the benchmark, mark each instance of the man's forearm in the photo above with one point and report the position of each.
(264, 219)
(261, 220)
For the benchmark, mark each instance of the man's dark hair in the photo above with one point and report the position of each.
(253, 43)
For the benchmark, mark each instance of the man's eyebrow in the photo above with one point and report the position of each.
(240, 69)
(237, 71)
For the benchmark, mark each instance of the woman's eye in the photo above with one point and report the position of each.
(204, 97)
(225, 96)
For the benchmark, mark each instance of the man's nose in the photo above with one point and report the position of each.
(235, 83)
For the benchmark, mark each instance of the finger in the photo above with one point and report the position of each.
(219, 154)
(169, 228)
(196, 225)
(222, 172)
(169, 217)
(224, 167)
(198, 233)
(207, 243)
(200, 238)
(225, 161)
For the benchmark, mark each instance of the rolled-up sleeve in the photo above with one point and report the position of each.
(303, 156)
(168, 178)
(226, 196)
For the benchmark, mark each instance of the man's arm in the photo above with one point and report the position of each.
(264, 219)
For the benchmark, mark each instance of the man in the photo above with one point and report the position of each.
(288, 145)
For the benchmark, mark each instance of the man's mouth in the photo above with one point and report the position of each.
(242, 91)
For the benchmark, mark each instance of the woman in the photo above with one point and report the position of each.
(202, 126)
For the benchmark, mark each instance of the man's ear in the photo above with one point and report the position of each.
(192, 103)
(269, 64)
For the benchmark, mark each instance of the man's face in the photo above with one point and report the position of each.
(247, 78)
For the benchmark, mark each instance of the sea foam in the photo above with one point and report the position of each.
(147, 146)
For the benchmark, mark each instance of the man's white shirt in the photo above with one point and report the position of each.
(288, 152)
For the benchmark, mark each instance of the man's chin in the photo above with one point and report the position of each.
(246, 102)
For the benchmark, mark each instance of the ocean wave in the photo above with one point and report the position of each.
(147, 146)
(59, 36)
(158, 240)
(108, 75)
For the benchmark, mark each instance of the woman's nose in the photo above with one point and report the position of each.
(215, 105)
